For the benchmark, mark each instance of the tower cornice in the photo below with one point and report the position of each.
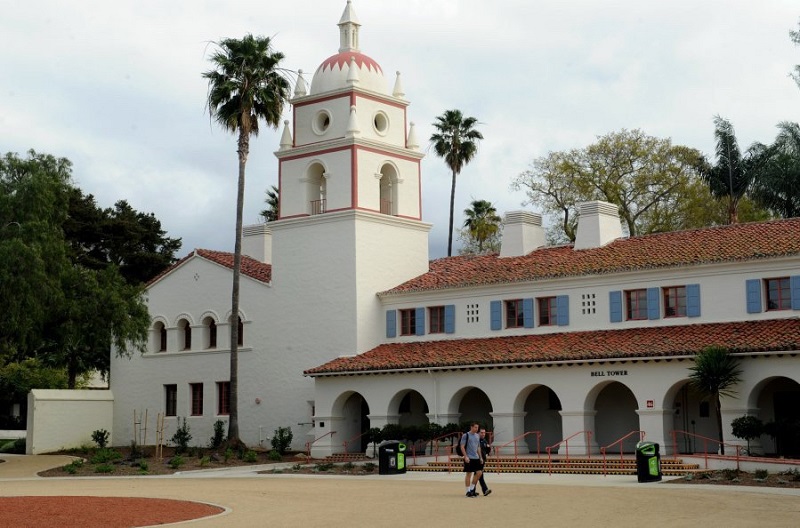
(344, 143)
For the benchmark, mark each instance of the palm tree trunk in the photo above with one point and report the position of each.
(233, 418)
(450, 230)
(719, 424)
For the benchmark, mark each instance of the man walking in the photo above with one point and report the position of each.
(486, 448)
(473, 459)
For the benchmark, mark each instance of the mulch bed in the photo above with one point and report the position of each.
(730, 477)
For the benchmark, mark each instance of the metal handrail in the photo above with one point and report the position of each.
(516, 440)
(565, 441)
(448, 448)
(318, 206)
(309, 444)
(705, 440)
(620, 441)
(349, 440)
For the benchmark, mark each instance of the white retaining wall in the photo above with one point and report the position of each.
(60, 419)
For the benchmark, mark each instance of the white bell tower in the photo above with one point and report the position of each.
(350, 222)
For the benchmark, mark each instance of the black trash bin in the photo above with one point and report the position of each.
(391, 458)
(648, 462)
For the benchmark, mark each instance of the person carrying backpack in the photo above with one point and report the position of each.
(470, 443)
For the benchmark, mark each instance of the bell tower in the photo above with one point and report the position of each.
(350, 222)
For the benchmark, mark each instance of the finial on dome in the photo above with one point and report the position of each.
(286, 137)
(398, 88)
(300, 88)
(348, 29)
(352, 73)
(352, 124)
(411, 141)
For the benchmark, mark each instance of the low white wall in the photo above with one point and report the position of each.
(61, 419)
(12, 433)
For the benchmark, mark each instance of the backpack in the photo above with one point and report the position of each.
(460, 448)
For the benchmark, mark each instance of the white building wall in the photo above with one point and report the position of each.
(406, 190)
(65, 419)
(395, 132)
(338, 109)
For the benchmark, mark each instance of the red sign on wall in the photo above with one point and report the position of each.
(650, 404)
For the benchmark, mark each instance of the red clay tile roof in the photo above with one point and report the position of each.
(250, 267)
(663, 250)
(630, 343)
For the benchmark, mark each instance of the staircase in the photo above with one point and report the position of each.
(347, 457)
(575, 465)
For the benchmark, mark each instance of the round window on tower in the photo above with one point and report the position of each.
(322, 122)
(381, 123)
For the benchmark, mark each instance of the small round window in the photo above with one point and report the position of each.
(322, 122)
(381, 123)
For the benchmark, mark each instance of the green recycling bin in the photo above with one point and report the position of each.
(391, 458)
(648, 462)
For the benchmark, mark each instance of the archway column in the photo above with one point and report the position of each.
(655, 424)
(326, 441)
(508, 426)
(444, 418)
(728, 416)
(573, 422)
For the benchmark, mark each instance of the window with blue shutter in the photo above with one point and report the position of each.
(653, 303)
(527, 313)
(419, 323)
(450, 319)
(753, 289)
(794, 286)
(693, 300)
(615, 306)
(391, 323)
(562, 309)
(496, 315)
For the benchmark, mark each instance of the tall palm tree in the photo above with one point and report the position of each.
(270, 214)
(713, 375)
(482, 222)
(455, 140)
(778, 186)
(733, 174)
(245, 86)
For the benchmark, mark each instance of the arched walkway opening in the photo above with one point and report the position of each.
(355, 422)
(541, 409)
(778, 403)
(473, 405)
(615, 415)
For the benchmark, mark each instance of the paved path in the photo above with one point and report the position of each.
(422, 499)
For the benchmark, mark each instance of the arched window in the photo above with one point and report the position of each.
(317, 189)
(388, 189)
(241, 332)
(186, 333)
(211, 332)
(160, 337)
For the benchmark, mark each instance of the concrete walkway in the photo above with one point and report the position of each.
(418, 499)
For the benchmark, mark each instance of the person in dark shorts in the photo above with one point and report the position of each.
(486, 448)
(473, 459)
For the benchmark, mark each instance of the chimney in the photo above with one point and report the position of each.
(257, 242)
(522, 233)
(598, 225)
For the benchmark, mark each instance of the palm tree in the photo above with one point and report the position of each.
(244, 87)
(713, 375)
(482, 222)
(778, 186)
(455, 140)
(733, 174)
(270, 214)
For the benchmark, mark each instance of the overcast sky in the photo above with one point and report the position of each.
(116, 87)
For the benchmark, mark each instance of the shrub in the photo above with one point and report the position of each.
(761, 474)
(250, 457)
(282, 439)
(730, 474)
(143, 465)
(348, 466)
(104, 468)
(219, 434)
(369, 467)
(228, 454)
(323, 467)
(105, 455)
(73, 466)
(297, 467)
(747, 428)
(205, 461)
(274, 456)
(100, 437)
(176, 462)
(181, 437)
(13, 446)
(793, 474)
(136, 452)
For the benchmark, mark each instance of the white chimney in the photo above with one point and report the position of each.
(522, 233)
(598, 225)
(257, 242)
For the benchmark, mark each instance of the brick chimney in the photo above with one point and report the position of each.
(598, 225)
(522, 233)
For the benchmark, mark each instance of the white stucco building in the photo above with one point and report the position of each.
(347, 325)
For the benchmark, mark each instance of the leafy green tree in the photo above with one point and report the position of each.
(654, 183)
(270, 214)
(714, 374)
(481, 232)
(777, 187)
(17, 379)
(795, 36)
(747, 428)
(455, 140)
(245, 87)
(732, 176)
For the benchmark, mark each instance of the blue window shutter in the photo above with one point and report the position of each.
(419, 320)
(693, 300)
(794, 287)
(615, 303)
(496, 313)
(753, 287)
(391, 323)
(450, 319)
(527, 313)
(562, 310)
(653, 303)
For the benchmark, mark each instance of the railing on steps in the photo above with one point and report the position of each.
(565, 441)
(604, 449)
(309, 444)
(719, 451)
(349, 441)
(515, 441)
